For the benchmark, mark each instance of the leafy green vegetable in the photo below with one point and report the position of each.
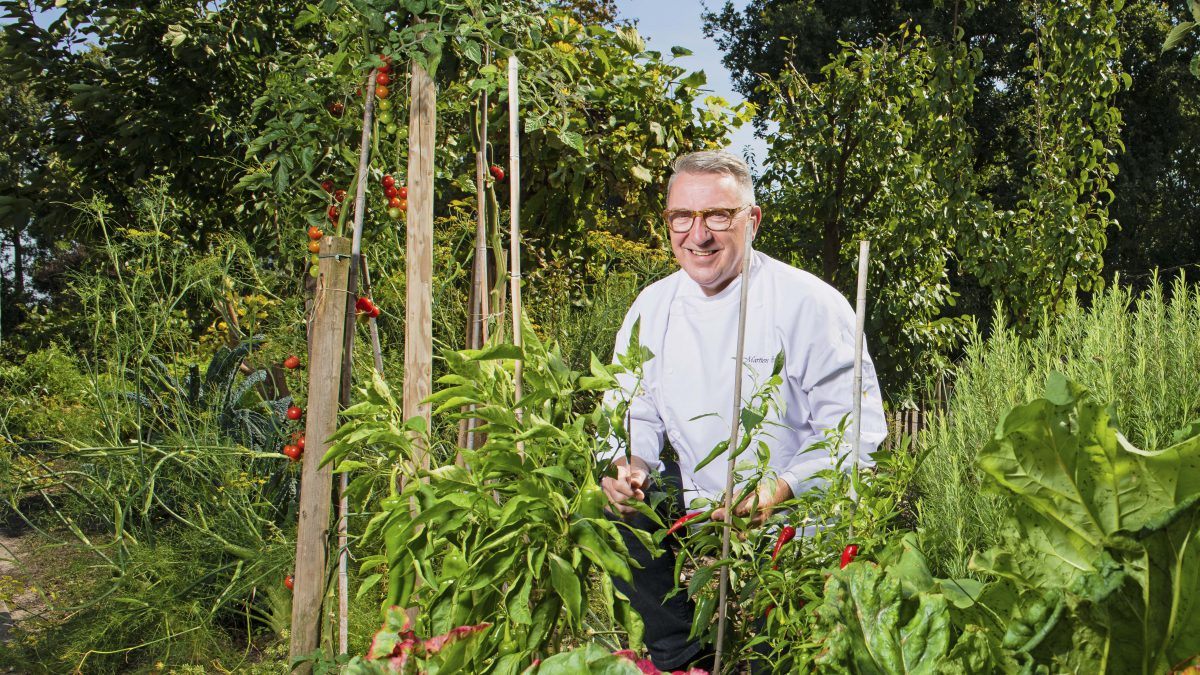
(1104, 521)
(869, 630)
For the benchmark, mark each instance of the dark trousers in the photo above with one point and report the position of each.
(668, 621)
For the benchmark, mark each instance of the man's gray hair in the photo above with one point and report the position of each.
(715, 161)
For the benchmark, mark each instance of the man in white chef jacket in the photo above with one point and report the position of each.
(689, 322)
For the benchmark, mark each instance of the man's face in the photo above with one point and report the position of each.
(711, 259)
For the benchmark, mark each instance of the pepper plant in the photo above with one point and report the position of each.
(513, 534)
(775, 576)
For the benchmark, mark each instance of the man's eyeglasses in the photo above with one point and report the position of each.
(717, 220)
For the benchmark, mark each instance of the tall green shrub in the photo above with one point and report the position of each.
(1141, 351)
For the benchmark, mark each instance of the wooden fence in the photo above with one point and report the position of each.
(905, 422)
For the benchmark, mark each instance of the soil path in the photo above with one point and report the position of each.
(17, 599)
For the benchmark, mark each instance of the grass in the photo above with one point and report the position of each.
(1141, 352)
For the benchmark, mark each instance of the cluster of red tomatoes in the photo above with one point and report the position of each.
(383, 78)
(364, 307)
(295, 449)
(396, 195)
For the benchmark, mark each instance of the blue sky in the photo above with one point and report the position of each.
(664, 23)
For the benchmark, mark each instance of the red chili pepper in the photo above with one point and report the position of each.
(848, 555)
(678, 524)
(787, 534)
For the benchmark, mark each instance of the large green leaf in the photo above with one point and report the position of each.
(1082, 487)
(1103, 520)
(871, 632)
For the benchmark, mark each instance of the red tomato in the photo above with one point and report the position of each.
(497, 173)
(315, 233)
(337, 108)
(363, 304)
(292, 452)
(403, 192)
(300, 442)
(289, 582)
(391, 192)
(327, 185)
(333, 213)
(314, 246)
(381, 92)
(339, 196)
(374, 313)
(292, 362)
(403, 204)
(394, 203)
(383, 79)
(387, 182)
(294, 413)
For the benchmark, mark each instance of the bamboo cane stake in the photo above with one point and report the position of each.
(514, 192)
(479, 286)
(376, 350)
(722, 612)
(360, 203)
(860, 322)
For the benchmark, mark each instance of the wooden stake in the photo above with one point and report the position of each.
(347, 383)
(479, 326)
(723, 589)
(514, 192)
(478, 296)
(376, 350)
(316, 483)
(860, 322)
(418, 316)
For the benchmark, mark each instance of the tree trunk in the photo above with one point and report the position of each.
(831, 246)
(18, 266)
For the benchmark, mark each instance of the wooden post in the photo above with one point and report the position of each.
(418, 318)
(316, 483)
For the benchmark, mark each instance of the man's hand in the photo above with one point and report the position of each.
(626, 485)
(770, 493)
